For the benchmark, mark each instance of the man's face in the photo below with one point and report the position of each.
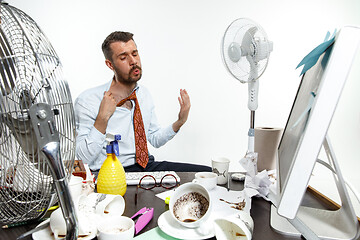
(125, 62)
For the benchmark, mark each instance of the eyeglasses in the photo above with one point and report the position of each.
(148, 182)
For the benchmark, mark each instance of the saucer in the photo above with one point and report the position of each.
(46, 234)
(172, 228)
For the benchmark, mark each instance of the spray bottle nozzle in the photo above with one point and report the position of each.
(117, 137)
(112, 143)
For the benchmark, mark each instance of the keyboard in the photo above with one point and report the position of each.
(133, 178)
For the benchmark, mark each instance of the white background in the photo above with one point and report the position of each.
(179, 44)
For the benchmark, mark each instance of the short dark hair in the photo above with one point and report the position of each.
(117, 36)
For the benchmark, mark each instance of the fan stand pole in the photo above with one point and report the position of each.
(42, 118)
(251, 133)
(252, 119)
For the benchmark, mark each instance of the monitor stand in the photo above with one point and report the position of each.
(314, 223)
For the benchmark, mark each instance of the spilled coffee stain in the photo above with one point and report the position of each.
(80, 236)
(240, 235)
(238, 206)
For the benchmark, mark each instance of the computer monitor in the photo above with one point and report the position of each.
(303, 137)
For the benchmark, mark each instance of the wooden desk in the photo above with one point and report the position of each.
(260, 212)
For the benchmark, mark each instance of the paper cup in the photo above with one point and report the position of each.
(220, 166)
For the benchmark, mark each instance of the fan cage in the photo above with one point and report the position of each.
(242, 69)
(30, 73)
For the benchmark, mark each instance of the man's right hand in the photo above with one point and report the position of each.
(106, 110)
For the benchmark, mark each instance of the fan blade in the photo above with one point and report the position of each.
(247, 42)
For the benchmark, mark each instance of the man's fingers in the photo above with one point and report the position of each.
(184, 94)
(108, 94)
(180, 101)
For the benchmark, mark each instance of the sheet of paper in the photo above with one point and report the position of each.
(165, 194)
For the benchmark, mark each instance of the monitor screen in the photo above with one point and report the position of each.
(299, 115)
(310, 117)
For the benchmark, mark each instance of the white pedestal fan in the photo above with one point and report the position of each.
(245, 51)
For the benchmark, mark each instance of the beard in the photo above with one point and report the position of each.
(130, 77)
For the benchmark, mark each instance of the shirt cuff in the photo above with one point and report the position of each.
(170, 131)
(96, 136)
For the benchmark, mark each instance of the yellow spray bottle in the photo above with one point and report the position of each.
(111, 178)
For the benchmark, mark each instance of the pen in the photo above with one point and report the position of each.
(22, 223)
(50, 208)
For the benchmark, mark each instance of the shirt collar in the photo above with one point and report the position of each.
(135, 88)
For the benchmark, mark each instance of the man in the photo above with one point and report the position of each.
(124, 107)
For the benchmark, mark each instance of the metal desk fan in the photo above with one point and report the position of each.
(37, 126)
(245, 51)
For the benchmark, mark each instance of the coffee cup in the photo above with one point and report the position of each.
(58, 226)
(116, 227)
(75, 187)
(190, 205)
(238, 226)
(206, 179)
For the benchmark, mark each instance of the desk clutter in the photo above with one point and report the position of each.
(227, 215)
(198, 209)
(99, 215)
(195, 212)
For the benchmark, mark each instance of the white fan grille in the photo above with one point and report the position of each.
(236, 32)
(30, 73)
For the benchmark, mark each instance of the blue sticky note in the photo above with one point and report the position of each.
(310, 59)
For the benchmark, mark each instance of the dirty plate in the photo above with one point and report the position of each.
(169, 226)
(46, 234)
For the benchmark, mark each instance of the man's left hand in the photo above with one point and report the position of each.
(184, 101)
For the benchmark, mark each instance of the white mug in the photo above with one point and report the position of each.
(116, 227)
(58, 225)
(75, 187)
(179, 194)
(206, 179)
(234, 226)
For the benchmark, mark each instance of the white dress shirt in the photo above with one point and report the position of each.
(91, 144)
